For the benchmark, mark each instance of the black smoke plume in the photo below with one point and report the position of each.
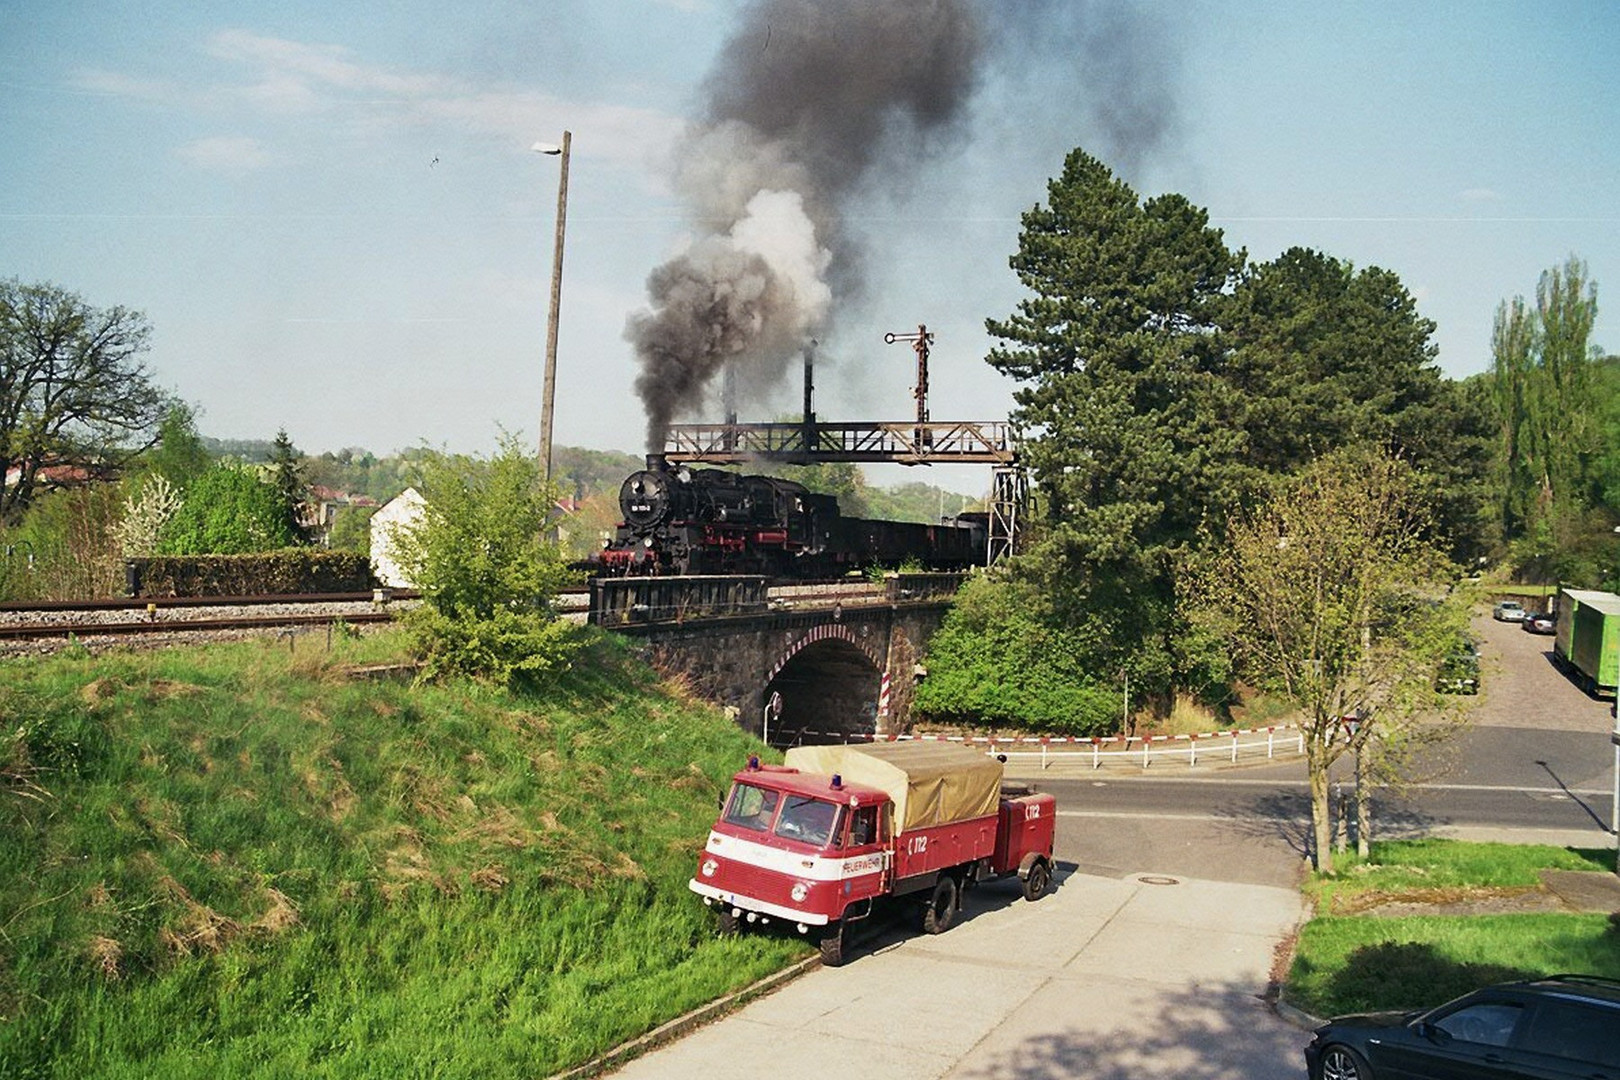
(805, 99)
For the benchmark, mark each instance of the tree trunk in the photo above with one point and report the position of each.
(1363, 806)
(1321, 816)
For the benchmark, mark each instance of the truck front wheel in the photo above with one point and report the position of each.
(831, 944)
(942, 906)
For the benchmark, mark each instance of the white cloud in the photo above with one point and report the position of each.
(326, 65)
(290, 77)
(234, 155)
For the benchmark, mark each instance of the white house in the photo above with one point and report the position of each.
(403, 509)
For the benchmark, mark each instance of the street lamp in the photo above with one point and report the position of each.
(556, 299)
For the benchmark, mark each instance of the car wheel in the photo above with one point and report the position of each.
(1343, 1063)
(730, 924)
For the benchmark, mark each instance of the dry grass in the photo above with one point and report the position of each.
(106, 957)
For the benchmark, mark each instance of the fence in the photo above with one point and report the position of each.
(1247, 744)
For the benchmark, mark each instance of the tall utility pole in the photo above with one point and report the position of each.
(550, 392)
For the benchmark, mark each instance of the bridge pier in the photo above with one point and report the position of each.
(827, 663)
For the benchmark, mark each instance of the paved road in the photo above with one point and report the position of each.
(1151, 956)
(1534, 764)
(1104, 978)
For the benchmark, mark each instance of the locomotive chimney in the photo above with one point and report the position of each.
(657, 463)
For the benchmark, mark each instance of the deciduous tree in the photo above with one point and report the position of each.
(227, 511)
(1332, 598)
(1545, 383)
(74, 391)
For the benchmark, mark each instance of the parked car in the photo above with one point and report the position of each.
(1508, 611)
(1561, 1026)
(1539, 622)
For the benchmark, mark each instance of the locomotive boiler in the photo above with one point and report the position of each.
(679, 520)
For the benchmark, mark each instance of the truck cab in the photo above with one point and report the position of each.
(805, 847)
(795, 847)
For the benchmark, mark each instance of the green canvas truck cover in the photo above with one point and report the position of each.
(930, 783)
(1588, 635)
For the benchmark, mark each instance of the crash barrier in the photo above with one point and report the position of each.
(1244, 744)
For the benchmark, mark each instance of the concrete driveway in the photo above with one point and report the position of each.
(1105, 978)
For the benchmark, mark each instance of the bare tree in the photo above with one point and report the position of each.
(74, 393)
(1334, 596)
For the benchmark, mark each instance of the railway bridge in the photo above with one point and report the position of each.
(841, 660)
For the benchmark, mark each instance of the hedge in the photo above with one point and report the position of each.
(289, 572)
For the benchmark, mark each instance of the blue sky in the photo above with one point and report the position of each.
(332, 219)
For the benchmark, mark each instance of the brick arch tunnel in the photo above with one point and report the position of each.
(829, 688)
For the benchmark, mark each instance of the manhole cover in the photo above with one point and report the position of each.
(1155, 880)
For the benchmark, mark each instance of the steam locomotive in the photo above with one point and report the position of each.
(707, 521)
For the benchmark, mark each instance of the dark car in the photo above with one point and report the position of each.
(1562, 1026)
(1459, 672)
(1539, 622)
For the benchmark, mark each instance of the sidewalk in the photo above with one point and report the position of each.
(1145, 976)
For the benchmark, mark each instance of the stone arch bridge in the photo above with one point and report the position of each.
(844, 662)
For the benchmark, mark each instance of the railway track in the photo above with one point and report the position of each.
(42, 626)
(46, 625)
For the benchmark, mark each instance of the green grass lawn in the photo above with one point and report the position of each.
(238, 861)
(1350, 963)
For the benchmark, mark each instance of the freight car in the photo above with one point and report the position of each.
(678, 520)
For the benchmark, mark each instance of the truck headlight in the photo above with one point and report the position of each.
(800, 891)
(709, 867)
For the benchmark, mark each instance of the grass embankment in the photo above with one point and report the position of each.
(1350, 962)
(233, 862)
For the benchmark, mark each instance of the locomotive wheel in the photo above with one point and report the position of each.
(942, 906)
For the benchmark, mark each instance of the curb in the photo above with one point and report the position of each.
(679, 1026)
(1302, 1020)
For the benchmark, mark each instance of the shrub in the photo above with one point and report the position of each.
(487, 572)
(1002, 660)
(228, 511)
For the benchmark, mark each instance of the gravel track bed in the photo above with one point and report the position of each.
(170, 624)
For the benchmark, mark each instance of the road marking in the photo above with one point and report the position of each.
(1152, 816)
(1305, 784)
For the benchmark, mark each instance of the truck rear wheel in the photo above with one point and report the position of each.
(831, 944)
(1037, 881)
(942, 906)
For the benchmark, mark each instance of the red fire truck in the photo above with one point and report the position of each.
(818, 842)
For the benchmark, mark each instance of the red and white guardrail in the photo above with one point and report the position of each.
(1055, 749)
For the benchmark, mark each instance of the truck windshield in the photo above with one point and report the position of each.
(751, 808)
(807, 820)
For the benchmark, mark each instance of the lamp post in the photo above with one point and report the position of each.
(550, 392)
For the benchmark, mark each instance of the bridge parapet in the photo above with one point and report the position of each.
(627, 601)
(901, 588)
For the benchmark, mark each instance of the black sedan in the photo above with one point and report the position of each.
(1563, 1026)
